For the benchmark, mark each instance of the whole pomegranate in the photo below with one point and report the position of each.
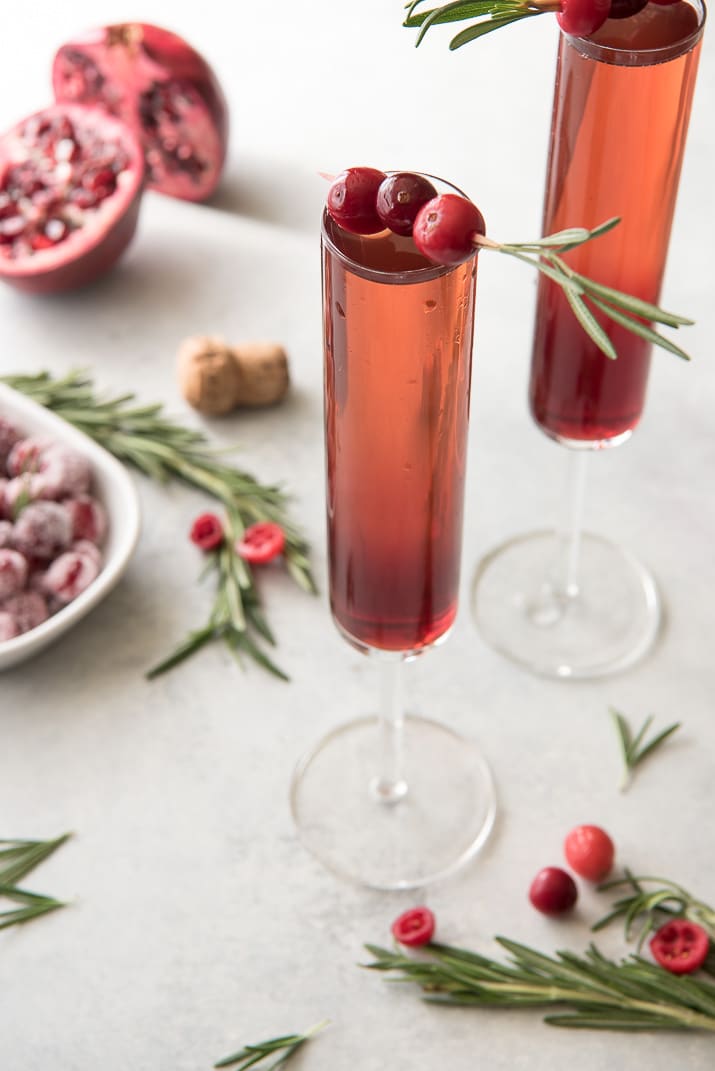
(163, 89)
(71, 180)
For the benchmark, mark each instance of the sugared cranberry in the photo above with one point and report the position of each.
(69, 575)
(352, 200)
(25, 455)
(582, 17)
(13, 572)
(84, 546)
(8, 626)
(553, 891)
(20, 491)
(43, 529)
(399, 199)
(445, 226)
(64, 472)
(9, 435)
(6, 530)
(623, 9)
(28, 609)
(88, 517)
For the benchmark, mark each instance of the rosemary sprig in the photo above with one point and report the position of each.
(163, 449)
(235, 608)
(584, 991)
(649, 908)
(17, 859)
(255, 1054)
(545, 254)
(634, 749)
(489, 15)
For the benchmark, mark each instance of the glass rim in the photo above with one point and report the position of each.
(641, 57)
(409, 275)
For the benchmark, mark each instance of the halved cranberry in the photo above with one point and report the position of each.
(163, 90)
(680, 946)
(52, 241)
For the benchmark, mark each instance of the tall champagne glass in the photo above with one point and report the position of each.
(392, 800)
(565, 603)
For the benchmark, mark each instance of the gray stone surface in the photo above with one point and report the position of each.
(197, 920)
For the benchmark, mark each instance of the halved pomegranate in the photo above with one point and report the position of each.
(163, 89)
(70, 188)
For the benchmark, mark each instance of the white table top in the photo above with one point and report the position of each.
(199, 922)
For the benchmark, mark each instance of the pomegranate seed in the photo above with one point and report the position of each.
(56, 230)
(352, 200)
(66, 149)
(41, 241)
(445, 226)
(11, 228)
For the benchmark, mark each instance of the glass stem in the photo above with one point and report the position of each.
(571, 528)
(389, 786)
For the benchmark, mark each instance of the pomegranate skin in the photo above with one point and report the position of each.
(98, 242)
(163, 89)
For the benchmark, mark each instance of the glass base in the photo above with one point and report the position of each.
(604, 626)
(406, 840)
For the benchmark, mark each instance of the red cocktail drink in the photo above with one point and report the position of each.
(621, 109)
(398, 341)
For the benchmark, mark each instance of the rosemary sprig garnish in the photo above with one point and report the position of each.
(545, 254)
(634, 749)
(650, 903)
(17, 859)
(587, 991)
(489, 15)
(287, 1045)
(163, 449)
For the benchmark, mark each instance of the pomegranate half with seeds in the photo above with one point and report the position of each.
(157, 84)
(71, 181)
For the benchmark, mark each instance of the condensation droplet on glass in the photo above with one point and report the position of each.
(341, 310)
(429, 305)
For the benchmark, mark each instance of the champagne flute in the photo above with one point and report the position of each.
(393, 800)
(565, 603)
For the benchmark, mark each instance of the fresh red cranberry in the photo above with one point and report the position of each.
(8, 627)
(623, 9)
(261, 543)
(680, 946)
(43, 530)
(88, 517)
(69, 575)
(399, 199)
(352, 199)
(162, 90)
(589, 852)
(445, 227)
(27, 608)
(553, 891)
(207, 531)
(414, 927)
(13, 573)
(582, 17)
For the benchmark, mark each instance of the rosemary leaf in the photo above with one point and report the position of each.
(653, 906)
(633, 748)
(287, 1045)
(640, 329)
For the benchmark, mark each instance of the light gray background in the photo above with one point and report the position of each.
(199, 922)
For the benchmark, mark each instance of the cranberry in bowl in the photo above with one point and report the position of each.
(83, 534)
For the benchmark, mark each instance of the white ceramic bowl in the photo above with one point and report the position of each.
(112, 486)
